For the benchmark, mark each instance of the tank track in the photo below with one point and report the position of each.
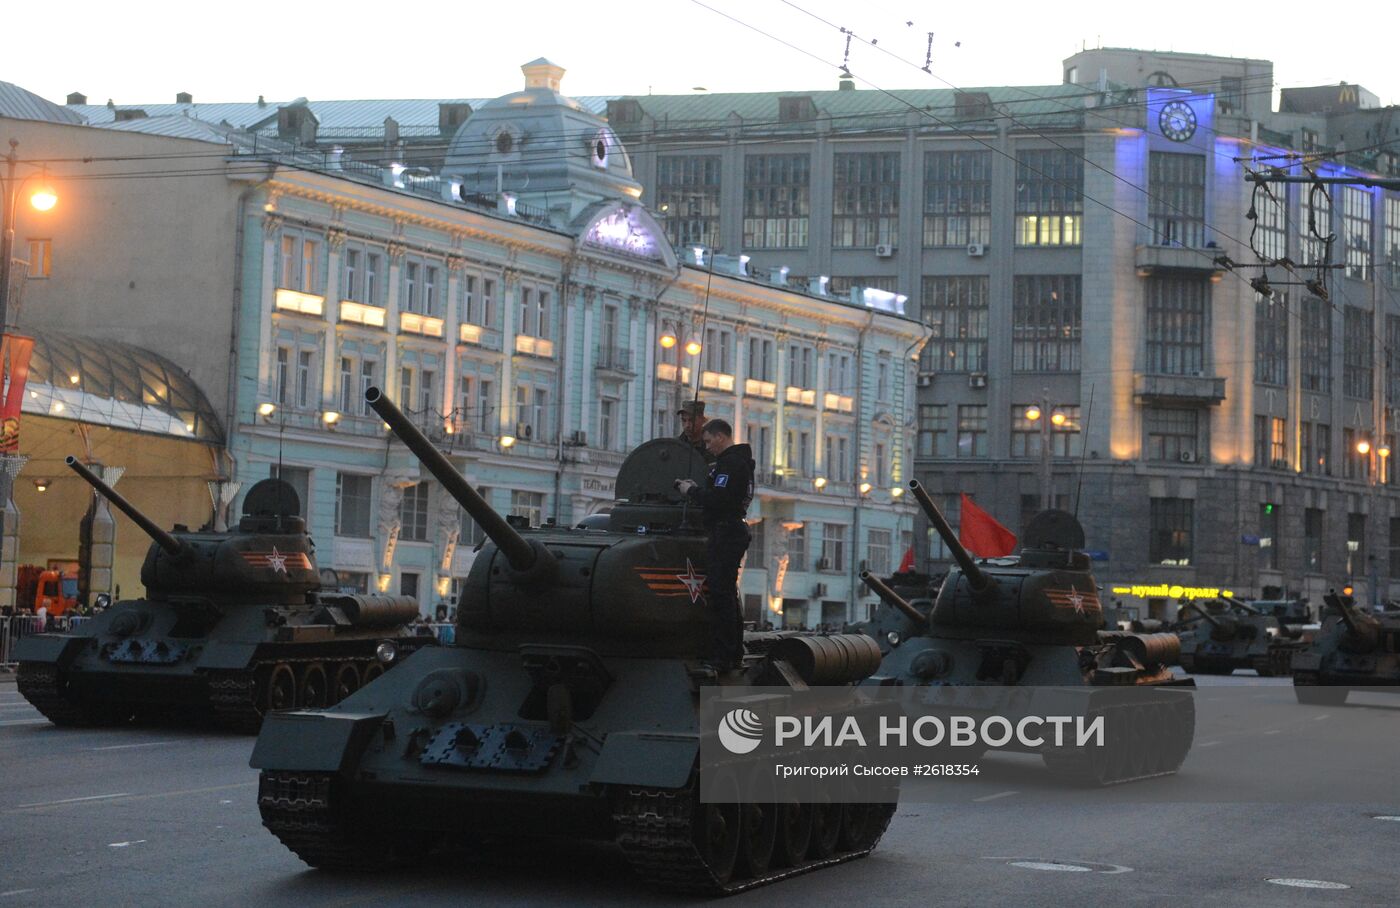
(300, 808)
(1160, 755)
(42, 684)
(233, 701)
(656, 832)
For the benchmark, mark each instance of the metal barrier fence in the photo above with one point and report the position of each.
(17, 626)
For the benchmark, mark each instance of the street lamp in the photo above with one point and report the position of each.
(1035, 413)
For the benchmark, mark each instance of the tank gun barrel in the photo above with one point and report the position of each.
(892, 598)
(974, 574)
(1362, 630)
(1212, 620)
(1243, 606)
(518, 552)
(166, 541)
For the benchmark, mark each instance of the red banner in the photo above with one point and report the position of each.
(980, 533)
(14, 356)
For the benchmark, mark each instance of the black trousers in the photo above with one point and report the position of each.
(727, 544)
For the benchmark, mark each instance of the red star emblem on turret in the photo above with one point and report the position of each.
(277, 561)
(693, 582)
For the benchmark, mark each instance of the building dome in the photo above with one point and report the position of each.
(543, 147)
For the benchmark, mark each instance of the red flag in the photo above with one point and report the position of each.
(980, 533)
(906, 564)
(14, 359)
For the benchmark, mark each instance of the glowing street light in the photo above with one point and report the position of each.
(668, 339)
(1363, 447)
(693, 347)
(1057, 418)
(266, 409)
(819, 482)
(865, 488)
(44, 197)
(897, 492)
(1032, 413)
(507, 441)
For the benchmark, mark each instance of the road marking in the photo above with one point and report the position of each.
(120, 794)
(1307, 884)
(1050, 865)
(993, 797)
(1208, 744)
(16, 892)
(1320, 718)
(9, 723)
(1391, 819)
(132, 746)
(1276, 731)
(124, 844)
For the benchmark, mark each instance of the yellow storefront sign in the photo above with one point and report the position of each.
(1171, 591)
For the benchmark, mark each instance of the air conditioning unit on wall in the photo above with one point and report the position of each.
(1188, 456)
(977, 380)
(977, 250)
(884, 251)
(925, 381)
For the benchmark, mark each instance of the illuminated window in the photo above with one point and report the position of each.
(1356, 227)
(1357, 357)
(1049, 198)
(1170, 536)
(777, 200)
(1271, 339)
(1046, 323)
(40, 258)
(1176, 206)
(865, 203)
(956, 309)
(972, 430)
(687, 198)
(957, 197)
(1278, 441)
(1176, 325)
(1317, 345)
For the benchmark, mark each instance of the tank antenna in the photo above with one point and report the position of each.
(1083, 451)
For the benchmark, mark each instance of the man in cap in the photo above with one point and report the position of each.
(692, 414)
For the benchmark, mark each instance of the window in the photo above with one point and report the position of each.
(1317, 345)
(413, 513)
(1357, 359)
(757, 557)
(882, 378)
(368, 367)
(972, 430)
(352, 504)
(1391, 247)
(1271, 222)
(837, 459)
(1278, 441)
(300, 265)
(952, 512)
(801, 371)
(534, 312)
(362, 269)
(760, 359)
(933, 430)
(532, 412)
(797, 549)
(1025, 433)
(607, 424)
(40, 258)
(719, 350)
(1395, 546)
(877, 553)
(1392, 360)
(880, 477)
(529, 505)
(1176, 205)
(299, 478)
(406, 388)
(1314, 224)
(687, 197)
(1356, 544)
(957, 197)
(305, 361)
(1268, 537)
(470, 534)
(479, 300)
(1355, 465)
(1271, 339)
(865, 203)
(1356, 227)
(1315, 441)
(427, 403)
(777, 200)
(1312, 539)
(1176, 325)
(351, 582)
(486, 406)
(1049, 198)
(839, 378)
(281, 378)
(412, 295)
(1173, 434)
(1045, 323)
(799, 453)
(347, 385)
(408, 584)
(956, 309)
(1169, 540)
(833, 547)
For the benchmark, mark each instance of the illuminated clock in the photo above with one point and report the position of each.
(1177, 121)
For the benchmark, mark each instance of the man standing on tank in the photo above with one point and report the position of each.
(725, 498)
(692, 414)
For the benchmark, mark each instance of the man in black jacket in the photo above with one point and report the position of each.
(725, 499)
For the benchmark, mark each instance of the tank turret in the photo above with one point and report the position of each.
(268, 557)
(893, 599)
(1363, 631)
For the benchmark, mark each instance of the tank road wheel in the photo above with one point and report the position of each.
(312, 691)
(347, 681)
(794, 833)
(281, 689)
(826, 828)
(863, 824)
(717, 834)
(758, 836)
(372, 671)
(1318, 695)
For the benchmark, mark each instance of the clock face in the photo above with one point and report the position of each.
(1177, 121)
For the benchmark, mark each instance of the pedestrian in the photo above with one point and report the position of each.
(725, 499)
(692, 414)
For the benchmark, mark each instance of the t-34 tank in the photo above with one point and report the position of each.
(1035, 622)
(567, 705)
(232, 625)
(1353, 651)
(1238, 636)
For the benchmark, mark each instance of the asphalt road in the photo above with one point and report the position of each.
(167, 817)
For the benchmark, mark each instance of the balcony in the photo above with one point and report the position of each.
(424, 325)
(667, 372)
(1151, 258)
(839, 403)
(354, 313)
(296, 301)
(615, 360)
(534, 346)
(717, 381)
(806, 397)
(753, 387)
(1200, 390)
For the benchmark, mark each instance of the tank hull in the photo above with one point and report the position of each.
(1333, 665)
(380, 776)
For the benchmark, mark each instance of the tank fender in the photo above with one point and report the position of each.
(58, 649)
(230, 655)
(651, 759)
(306, 741)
